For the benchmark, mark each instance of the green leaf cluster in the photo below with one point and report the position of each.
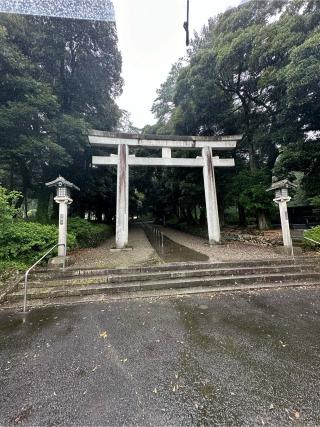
(8, 210)
(88, 234)
(314, 234)
(27, 241)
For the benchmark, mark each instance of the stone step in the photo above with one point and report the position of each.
(212, 282)
(82, 299)
(76, 272)
(168, 275)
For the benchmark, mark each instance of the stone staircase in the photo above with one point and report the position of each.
(77, 285)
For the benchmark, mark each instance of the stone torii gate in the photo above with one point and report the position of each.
(100, 139)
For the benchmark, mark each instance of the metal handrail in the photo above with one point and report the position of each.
(157, 235)
(34, 265)
(311, 240)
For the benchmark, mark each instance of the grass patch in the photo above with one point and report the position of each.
(314, 234)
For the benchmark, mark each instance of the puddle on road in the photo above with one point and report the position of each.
(172, 251)
(23, 326)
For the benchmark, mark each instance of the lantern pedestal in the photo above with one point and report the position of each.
(285, 226)
(281, 199)
(63, 193)
(59, 262)
(63, 202)
(288, 251)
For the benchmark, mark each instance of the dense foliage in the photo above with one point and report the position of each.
(58, 77)
(22, 242)
(26, 241)
(88, 234)
(253, 70)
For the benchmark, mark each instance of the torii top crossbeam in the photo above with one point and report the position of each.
(109, 139)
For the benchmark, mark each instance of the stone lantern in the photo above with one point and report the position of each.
(281, 189)
(63, 198)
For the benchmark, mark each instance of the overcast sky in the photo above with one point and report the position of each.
(151, 39)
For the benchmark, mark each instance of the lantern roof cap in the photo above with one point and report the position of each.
(62, 182)
(284, 183)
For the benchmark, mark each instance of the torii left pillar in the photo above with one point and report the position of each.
(122, 215)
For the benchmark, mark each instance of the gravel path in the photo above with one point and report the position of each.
(225, 252)
(142, 253)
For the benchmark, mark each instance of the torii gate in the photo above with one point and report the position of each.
(123, 160)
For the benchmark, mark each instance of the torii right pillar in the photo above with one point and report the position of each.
(211, 197)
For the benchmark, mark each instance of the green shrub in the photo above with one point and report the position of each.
(25, 241)
(314, 234)
(8, 200)
(11, 265)
(88, 234)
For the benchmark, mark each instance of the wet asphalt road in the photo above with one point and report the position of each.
(243, 358)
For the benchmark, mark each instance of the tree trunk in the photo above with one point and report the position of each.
(43, 205)
(222, 219)
(190, 217)
(25, 200)
(99, 212)
(262, 220)
(242, 216)
(11, 180)
(202, 218)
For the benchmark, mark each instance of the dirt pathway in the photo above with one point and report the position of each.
(142, 253)
(225, 252)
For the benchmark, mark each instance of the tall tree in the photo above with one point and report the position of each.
(78, 64)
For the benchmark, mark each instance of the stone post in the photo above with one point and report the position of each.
(285, 226)
(281, 189)
(122, 215)
(63, 224)
(211, 197)
(63, 198)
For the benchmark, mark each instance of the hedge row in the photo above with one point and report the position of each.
(89, 234)
(23, 242)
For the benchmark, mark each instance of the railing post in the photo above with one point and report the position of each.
(34, 265)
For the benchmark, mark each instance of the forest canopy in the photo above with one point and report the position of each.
(252, 70)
